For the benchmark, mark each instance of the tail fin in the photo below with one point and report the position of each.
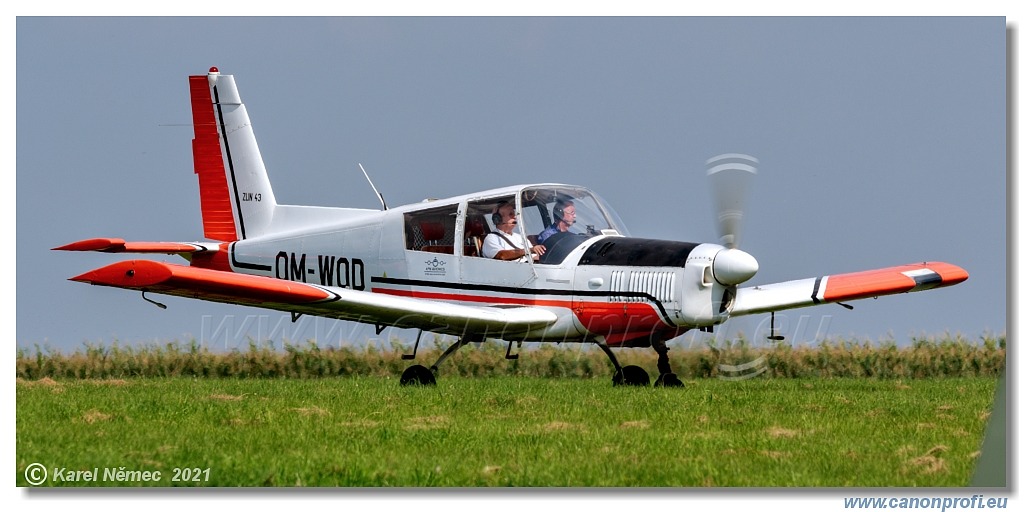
(234, 189)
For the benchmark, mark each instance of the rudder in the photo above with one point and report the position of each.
(235, 194)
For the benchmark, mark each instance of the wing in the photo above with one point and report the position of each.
(326, 301)
(845, 287)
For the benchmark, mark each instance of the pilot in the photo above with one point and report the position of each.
(564, 213)
(506, 243)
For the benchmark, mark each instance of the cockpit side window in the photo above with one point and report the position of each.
(479, 223)
(492, 228)
(431, 230)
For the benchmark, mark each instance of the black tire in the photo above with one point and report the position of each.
(417, 375)
(631, 375)
(669, 380)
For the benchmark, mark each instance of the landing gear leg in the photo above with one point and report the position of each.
(419, 374)
(666, 377)
(625, 375)
(463, 341)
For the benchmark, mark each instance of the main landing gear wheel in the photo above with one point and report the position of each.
(668, 380)
(419, 375)
(631, 375)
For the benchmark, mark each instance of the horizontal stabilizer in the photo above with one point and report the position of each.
(327, 301)
(846, 287)
(119, 245)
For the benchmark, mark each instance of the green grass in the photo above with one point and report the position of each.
(927, 357)
(510, 431)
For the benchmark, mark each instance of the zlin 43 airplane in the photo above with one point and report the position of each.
(529, 263)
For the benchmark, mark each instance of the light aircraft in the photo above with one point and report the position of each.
(422, 266)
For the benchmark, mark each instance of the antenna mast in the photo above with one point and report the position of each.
(379, 195)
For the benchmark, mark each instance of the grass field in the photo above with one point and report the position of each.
(927, 357)
(507, 431)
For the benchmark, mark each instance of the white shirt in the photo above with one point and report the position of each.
(494, 243)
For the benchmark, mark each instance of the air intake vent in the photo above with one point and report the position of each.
(660, 285)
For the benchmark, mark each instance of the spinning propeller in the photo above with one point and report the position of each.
(729, 175)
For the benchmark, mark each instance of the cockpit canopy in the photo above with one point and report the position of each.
(543, 205)
(561, 217)
(538, 208)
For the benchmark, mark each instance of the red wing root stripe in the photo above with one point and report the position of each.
(202, 283)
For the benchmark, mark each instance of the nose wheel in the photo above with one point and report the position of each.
(668, 380)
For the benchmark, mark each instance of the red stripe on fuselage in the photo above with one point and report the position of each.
(617, 320)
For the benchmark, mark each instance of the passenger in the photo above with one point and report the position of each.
(564, 213)
(506, 243)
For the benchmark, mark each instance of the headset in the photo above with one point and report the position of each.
(496, 216)
(558, 211)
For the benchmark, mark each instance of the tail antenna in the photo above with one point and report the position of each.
(379, 195)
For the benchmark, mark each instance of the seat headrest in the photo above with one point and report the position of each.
(432, 230)
(475, 226)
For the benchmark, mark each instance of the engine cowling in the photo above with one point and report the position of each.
(709, 281)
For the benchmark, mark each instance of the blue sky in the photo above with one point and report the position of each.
(881, 140)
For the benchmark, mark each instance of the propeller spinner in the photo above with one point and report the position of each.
(729, 174)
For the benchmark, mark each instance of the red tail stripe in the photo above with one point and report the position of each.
(215, 198)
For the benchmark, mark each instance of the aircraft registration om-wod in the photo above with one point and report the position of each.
(422, 266)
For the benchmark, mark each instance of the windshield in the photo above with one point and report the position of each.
(545, 206)
(549, 210)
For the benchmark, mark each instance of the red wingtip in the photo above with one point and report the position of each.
(93, 244)
(951, 274)
(127, 274)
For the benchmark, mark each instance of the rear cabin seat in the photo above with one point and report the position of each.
(433, 232)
